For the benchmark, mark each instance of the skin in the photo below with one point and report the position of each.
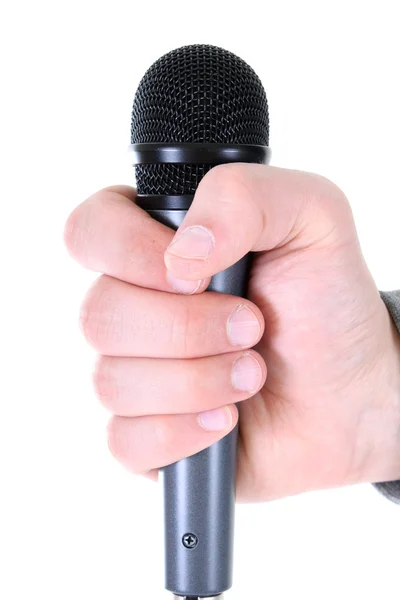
(326, 414)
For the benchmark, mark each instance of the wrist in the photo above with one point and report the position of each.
(384, 463)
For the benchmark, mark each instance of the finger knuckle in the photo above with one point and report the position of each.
(99, 317)
(193, 383)
(230, 183)
(74, 233)
(139, 447)
(70, 233)
(191, 330)
(104, 384)
(202, 381)
(328, 196)
(117, 439)
(181, 329)
(121, 445)
(325, 216)
(164, 436)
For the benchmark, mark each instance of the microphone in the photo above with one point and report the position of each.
(196, 107)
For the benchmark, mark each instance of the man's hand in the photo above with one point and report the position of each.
(174, 361)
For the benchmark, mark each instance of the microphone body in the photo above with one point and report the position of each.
(199, 491)
(197, 107)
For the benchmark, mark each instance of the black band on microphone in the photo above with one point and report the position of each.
(164, 203)
(194, 154)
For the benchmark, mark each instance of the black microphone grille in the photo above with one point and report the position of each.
(196, 94)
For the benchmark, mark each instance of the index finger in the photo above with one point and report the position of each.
(109, 234)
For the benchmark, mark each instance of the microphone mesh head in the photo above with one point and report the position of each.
(196, 94)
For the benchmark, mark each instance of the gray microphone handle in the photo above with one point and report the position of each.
(199, 491)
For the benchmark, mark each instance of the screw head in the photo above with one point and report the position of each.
(190, 540)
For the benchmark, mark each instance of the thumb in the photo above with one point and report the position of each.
(239, 208)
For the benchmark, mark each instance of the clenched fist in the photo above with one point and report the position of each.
(310, 361)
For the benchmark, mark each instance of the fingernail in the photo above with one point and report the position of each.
(246, 374)
(194, 242)
(182, 285)
(219, 419)
(243, 328)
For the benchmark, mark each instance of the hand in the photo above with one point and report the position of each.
(174, 361)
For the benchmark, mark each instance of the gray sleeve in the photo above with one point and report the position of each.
(391, 489)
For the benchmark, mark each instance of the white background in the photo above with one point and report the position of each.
(73, 523)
